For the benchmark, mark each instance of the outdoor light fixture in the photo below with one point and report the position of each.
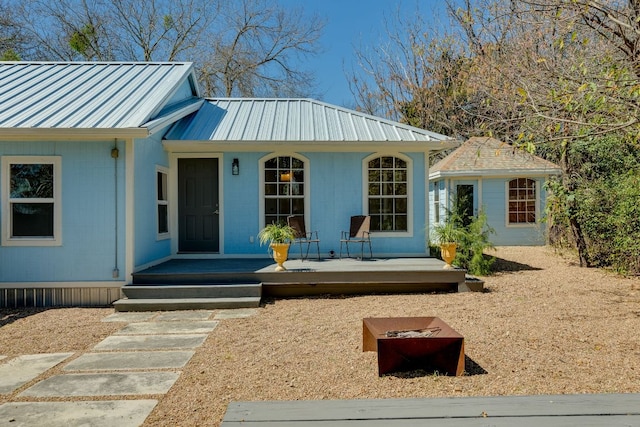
(235, 167)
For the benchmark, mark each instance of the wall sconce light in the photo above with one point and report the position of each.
(235, 167)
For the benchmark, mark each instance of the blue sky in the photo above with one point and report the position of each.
(352, 23)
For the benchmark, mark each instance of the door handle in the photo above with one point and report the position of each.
(217, 212)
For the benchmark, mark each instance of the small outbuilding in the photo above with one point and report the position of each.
(507, 183)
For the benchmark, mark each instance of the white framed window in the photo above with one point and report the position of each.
(32, 201)
(284, 188)
(162, 201)
(522, 202)
(388, 190)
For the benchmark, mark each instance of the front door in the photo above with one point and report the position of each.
(198, 205)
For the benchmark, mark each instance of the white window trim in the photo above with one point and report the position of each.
(7, 240)
(167, 235)
(506, 205)
(307, 186)
(365, 193)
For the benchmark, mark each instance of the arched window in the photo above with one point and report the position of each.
(283, 188)
(522, 201)
(388, 194)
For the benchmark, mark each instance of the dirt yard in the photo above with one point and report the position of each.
(543, 326)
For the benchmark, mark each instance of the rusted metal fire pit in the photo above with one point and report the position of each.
(408, 343)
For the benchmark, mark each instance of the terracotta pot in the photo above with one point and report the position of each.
(280, 254)
(448, 253)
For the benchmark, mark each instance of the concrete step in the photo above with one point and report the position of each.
(169, 304)
(212, 290)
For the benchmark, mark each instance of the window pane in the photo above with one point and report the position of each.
(374, 206)
(283, 189)
(400, 189)
(401, 206)
(162, 186)
(297, 163)
(284, 162)
(284, 207)
(401, 222)
(387, 176)
(375, 222)
(387, 223)
(387, 189)
(401, 176)
(375, 163)
(401, 164)
(386, 205)
(374, 189)
(271, 206)
(270, 176)
(297, 206)
(34, 181)
(270, 189)
(163, 223)
(298, 176)
(32, 219)
(374, 175)
(271, 163)
(386, 162)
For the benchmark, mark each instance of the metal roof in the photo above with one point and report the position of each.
(291, 120)
(489, 156)
(86, 95)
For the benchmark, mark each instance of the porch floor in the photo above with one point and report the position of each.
(311, 276)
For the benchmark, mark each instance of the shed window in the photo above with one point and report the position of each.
(283, 188)
(388, 194)
(31, 200)
(522, 200)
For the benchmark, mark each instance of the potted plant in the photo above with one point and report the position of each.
(279, 236)
(446, 235)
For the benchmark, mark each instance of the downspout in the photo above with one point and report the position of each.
(115, 154)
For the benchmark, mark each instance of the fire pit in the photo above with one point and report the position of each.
(408, 343)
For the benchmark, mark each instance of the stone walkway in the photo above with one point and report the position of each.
(143, 358)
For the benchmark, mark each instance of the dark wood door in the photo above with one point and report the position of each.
(198, 205)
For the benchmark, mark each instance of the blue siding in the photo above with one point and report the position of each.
(241, 204)
(149, 153)
(335, 194)
(494, 201)
(88, 217)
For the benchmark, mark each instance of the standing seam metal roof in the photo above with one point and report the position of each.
(85, 95)
(291, 120)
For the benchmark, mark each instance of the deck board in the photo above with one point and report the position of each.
(551, 411)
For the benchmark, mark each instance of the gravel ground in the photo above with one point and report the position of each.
(543, 326)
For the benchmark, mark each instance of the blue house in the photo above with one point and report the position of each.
(507, 183)
(110, 168)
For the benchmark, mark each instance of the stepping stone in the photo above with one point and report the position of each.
(22, 369)
(129, 317)
(130, 360)
(106, 384)
(172, 316)
(121, 413)
(239, 313)
(150, 342)
(198, 327)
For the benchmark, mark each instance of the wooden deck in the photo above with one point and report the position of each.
(522, 411)
(312, 277)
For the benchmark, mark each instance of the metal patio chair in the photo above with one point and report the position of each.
(358, 233)
(302, 235)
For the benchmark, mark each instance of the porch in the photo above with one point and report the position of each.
(242, 282)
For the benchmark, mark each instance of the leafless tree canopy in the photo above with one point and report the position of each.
(244, 47)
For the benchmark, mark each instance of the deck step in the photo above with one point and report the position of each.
(170, 304)
(210, 290)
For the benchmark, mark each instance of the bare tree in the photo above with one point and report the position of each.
(124, 30)
(255, 49)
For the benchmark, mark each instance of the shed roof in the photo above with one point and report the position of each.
(118, 98)
(483, 156)
(269, 120)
